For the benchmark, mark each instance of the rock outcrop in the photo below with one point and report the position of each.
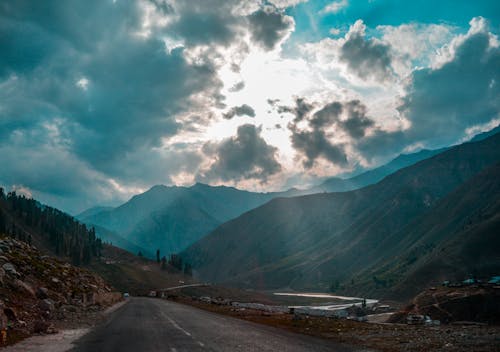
(37, 290)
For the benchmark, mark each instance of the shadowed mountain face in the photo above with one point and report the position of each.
(370, 177)
(172, 218)
(457, 239)
(373, 176)
(357, 237)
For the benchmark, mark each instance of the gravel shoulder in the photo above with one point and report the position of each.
(64, 339)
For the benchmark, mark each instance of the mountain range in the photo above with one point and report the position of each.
(403, 231)
(172, 218)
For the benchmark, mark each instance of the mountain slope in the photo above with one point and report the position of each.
(313, 241)
(174, 228)
(336, 184)
(172, 218)
(370, 177)
(459, 238)
(92, 211)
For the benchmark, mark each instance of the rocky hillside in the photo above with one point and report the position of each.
(38, 292)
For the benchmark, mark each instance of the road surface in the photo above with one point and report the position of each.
(148, 324)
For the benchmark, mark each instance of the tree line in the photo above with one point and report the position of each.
(174, 261)
(20, 217)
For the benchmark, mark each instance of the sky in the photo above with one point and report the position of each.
(102, 99)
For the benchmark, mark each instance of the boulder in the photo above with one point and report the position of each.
(10, 313)
(24, 287)
(40, 327)
(42, 292)
(10, 269)
(47, 305)
(3, 316)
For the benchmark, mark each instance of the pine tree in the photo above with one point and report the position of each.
(188, 270)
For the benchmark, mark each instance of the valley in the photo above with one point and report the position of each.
(346, 267)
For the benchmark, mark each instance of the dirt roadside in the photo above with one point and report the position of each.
(67, 334)
(383, 337)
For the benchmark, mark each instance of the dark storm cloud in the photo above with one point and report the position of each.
(163, 6)
(205, 28)
(464, 92)
(326, 116)
(367, 58)
(273, 102)
(134, 85)
(269, 26)
(315, 141)
(300, 110)
(357, 122)
(241, 110)
(237, 87)
(315, 144)
(77, 72)
(242, 157)
(439, 103)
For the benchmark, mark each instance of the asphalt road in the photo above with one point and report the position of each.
(146, 324)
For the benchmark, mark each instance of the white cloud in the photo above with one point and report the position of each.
(335, 7)
(83, 83)
(286, 3)
(415, 44)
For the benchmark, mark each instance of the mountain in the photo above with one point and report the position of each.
(458, 239)
(48, 228)
(172, 218)
(116, 240)
(92, 211)
(327, 241)
(484, 135)
(336, 184)
(26, 223)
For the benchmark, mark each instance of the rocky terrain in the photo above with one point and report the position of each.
(39, 293)
(386, 337)
(470, 304)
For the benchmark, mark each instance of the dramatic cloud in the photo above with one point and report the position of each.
(206, 23)
(103, 99)
(465, 91)
(357, 122)
(368, 58)
(270, 26)
(285, 3)
(414, 44)
(237, 87)
(328, 130)
(300, 110)
(242, 157)
(241, 110)
(315, 144)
